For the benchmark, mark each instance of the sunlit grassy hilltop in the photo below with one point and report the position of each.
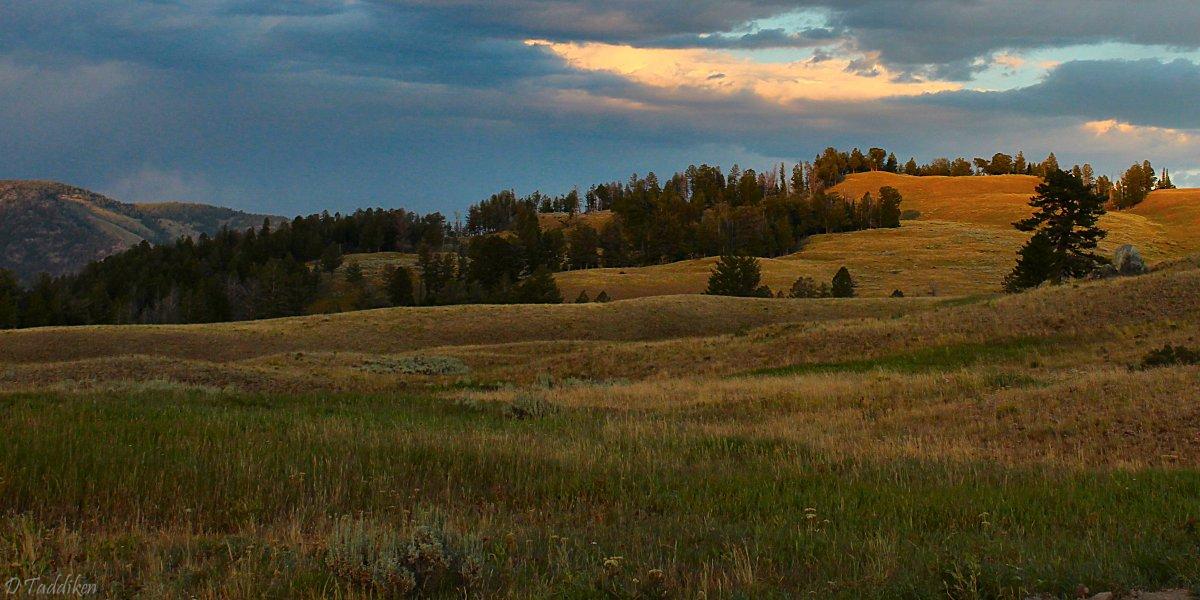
(961, 242)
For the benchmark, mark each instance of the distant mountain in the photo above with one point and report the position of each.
(56, 228)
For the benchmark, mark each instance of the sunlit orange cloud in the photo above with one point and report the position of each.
(1113, 128)
(725, 73)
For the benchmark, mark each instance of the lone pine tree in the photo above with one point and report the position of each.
(843, 284)
(1064, 233)
(736, 276)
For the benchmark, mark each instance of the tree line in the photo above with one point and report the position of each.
(234, 275)
(699, 212)
(502, 253)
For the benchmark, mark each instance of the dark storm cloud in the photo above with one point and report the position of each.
(945, 36)
(939, 38)
(301, 105)
(246, 37)
(1140, 92)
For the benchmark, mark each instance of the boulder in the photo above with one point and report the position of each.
(1128, 261)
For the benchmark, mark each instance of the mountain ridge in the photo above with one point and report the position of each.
(57, 228)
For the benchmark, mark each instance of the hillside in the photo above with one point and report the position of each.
(961, 241)
(57, 228)
(714, 447)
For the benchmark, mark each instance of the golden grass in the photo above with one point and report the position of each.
(394, 330)
(565, 221)
(1098, 324)
(962, 243)
(1082, 419)
(375, 264)
(1163, 227)
(922, 258)
(1178, 213)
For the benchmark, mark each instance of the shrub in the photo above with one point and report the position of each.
(422, 561)
(602, 296)
(806, 287)
(897, 294)
(528, 406)
(1170, 355)
(582, 298)
(415, 365)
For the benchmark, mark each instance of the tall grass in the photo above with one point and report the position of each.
(214, 494)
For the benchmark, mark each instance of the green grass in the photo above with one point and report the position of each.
(191, 493)
(934, 358)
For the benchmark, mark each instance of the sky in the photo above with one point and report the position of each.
(293, 107)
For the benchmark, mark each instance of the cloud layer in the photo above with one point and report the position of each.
(304, 105)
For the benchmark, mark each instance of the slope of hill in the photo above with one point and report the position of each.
(713, 447)
(961, 241)
(56, 228)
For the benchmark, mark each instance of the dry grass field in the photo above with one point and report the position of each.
(675, 446)
(963, 241)
(681, 446)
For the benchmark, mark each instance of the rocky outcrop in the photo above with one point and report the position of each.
(1128, 261)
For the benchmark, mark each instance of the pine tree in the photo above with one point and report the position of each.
(400, 287)
(1050, 165)
(602, 296)
(1065, 220)
(843, 285)
(10, 293)
(911, 168)
(331, 258)
(889, 206)
(1035, 265)
(798, 183)
(736, 276)
(354, 273)
(1164, 183)
(538, 288)
(583, 247)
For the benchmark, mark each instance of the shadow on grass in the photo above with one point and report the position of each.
(937, 358)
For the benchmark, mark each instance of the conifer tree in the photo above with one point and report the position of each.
(736, 276)
(331, 258)
(889, 207)
(354, 273)
(538, 288)
(602, 296)
(400, 287)
(582, 298)
(843, 285)
(10, 293)
(1164, 182)
(1065, 232)
(1035, 265)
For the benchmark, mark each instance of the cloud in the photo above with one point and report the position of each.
(301, 105)
(692, 71)
(1140, 92)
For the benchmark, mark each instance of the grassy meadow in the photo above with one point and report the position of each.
(968, 447)
(959, 445)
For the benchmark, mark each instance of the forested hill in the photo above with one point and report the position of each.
(54, 228)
